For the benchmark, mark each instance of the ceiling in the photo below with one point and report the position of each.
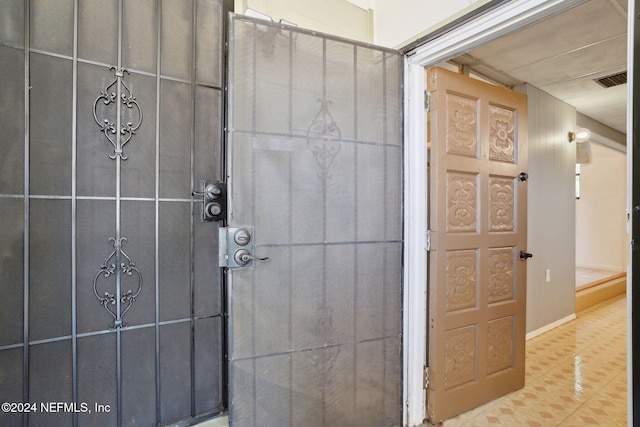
(562, 56)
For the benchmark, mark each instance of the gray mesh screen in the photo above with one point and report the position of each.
(11, 384)
(12, 119)
(140, 35)
(50, 134)
(50, 364)
(52, 26)
(96, 23)
(11, 273)
(49, 271)
(97, 385)
(316, 149)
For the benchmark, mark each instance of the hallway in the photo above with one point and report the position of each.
(575, 376)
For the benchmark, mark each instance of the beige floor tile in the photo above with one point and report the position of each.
(575, 376)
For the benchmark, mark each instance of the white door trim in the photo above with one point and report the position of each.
(483, 28)
(492, 24)
(630, 88)
(415, 242)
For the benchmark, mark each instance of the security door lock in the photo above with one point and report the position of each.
(242, 237)
(237, 247)
(214, 200)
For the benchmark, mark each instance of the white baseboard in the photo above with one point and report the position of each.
(550, 326)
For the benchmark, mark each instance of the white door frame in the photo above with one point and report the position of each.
(631, 13)
(483, 28)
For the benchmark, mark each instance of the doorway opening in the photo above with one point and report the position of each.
(570, 290)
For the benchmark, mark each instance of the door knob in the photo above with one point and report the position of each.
(524, 255)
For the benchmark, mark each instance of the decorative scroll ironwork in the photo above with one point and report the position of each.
(107, 269)
(324, 138)
(118, 128)
(108, 126)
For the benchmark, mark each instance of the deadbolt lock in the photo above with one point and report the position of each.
(214, 200)
(242, 237)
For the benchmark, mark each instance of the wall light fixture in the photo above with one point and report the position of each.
(580, 135)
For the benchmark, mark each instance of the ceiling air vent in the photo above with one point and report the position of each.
(612, 80)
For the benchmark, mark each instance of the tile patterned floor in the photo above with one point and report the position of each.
(575, 376)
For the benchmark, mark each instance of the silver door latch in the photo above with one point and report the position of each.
(236, 249)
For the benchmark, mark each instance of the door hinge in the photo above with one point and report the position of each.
(428, 240)
(426, 377)
(427, 101)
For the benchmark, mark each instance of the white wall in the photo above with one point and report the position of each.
(601, 235)
(400, 22)
(396, 22)
(337, 17)
(550, 211)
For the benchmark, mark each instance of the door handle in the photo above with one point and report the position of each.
(243, 256)
(524, 255)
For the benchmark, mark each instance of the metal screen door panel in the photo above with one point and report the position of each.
(315, 154)
(478, 223)
(111, 115)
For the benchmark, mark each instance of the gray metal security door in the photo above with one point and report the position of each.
(315, 158)
(110, 117)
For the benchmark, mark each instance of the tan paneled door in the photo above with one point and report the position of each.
(478, 223)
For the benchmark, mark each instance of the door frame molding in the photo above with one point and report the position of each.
(443, 44)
